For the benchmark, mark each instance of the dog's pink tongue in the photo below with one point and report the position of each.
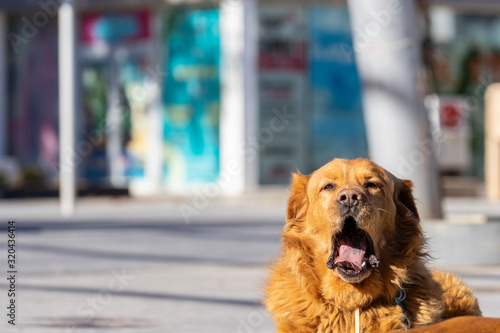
(351, 255)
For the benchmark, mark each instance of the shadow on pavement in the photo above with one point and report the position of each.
(149, 295)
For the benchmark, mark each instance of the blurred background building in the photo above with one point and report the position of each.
(205, 87)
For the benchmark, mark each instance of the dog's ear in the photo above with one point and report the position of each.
(410, 241)
(298, 202)
(405, 203)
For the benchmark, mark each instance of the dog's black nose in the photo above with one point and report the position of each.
(349, 197)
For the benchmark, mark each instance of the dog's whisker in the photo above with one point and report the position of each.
(385, 211)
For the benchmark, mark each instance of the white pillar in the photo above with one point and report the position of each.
(154, 156)
(492, 141)
(387, 49)
(114, 124)
(3, 84)
(67, 108)
(154, 153)
(251, 37)
(238, 38)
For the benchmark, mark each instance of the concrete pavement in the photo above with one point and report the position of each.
(123, 265)
(140, 267)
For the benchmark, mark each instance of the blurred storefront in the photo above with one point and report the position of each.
(465, 60)
(176, 95)
(306, 68)
(148, 96)
(168, 93)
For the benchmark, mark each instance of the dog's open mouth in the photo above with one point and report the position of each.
(352, 250)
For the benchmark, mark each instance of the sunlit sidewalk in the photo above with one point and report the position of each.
(137, 266)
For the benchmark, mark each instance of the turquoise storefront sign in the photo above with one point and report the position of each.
(191, 97)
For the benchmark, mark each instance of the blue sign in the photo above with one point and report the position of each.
(337, 117)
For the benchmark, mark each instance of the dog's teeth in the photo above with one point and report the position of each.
(363, 264)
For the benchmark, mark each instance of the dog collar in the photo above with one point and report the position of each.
(399, 301)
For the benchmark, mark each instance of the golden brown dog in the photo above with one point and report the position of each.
(353, 255)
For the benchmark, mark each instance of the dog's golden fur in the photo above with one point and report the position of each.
(304, 295)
